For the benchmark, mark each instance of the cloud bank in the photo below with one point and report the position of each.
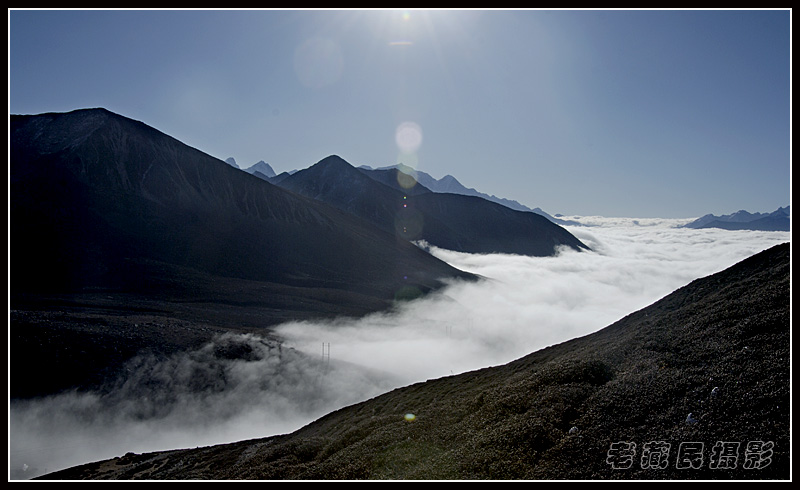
(243, 387)
(528, 303)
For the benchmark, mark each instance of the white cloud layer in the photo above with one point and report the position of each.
(206, 397)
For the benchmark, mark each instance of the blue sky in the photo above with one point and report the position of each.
(613, 113)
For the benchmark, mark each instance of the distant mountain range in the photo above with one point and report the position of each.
(451, 185)
(261, 169)
(335, 181)
(778, 220)
(391, 200)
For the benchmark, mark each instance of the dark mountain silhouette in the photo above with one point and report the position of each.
(108, 213)
(778, 220)
(93, 191)
(701, 377)
(451, 221)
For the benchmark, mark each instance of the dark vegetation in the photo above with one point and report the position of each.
(716, 349)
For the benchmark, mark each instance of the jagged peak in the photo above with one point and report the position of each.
(262, 167)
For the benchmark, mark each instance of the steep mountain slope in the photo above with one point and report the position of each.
(110, 218)
(93, 191)
(695, 386)
(452, 221)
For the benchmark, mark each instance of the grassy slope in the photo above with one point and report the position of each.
(636, 380)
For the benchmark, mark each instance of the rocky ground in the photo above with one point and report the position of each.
(693, 387)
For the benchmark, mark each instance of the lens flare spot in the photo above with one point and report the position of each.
(409, 223)
(408, 293)
(408, 162)
(406, 180)
(408, 137)
(410, 417)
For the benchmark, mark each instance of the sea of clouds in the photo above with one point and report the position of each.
(215, 395)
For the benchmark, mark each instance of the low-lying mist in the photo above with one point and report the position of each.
(243, 387)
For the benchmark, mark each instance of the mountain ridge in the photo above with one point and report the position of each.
(119, 159)
(450, 184)
(393, 202)
(778, 220)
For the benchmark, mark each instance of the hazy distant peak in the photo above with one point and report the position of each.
(782, 212)
(261, 167)
(778, 220)
(232, 162)
(450, 184)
